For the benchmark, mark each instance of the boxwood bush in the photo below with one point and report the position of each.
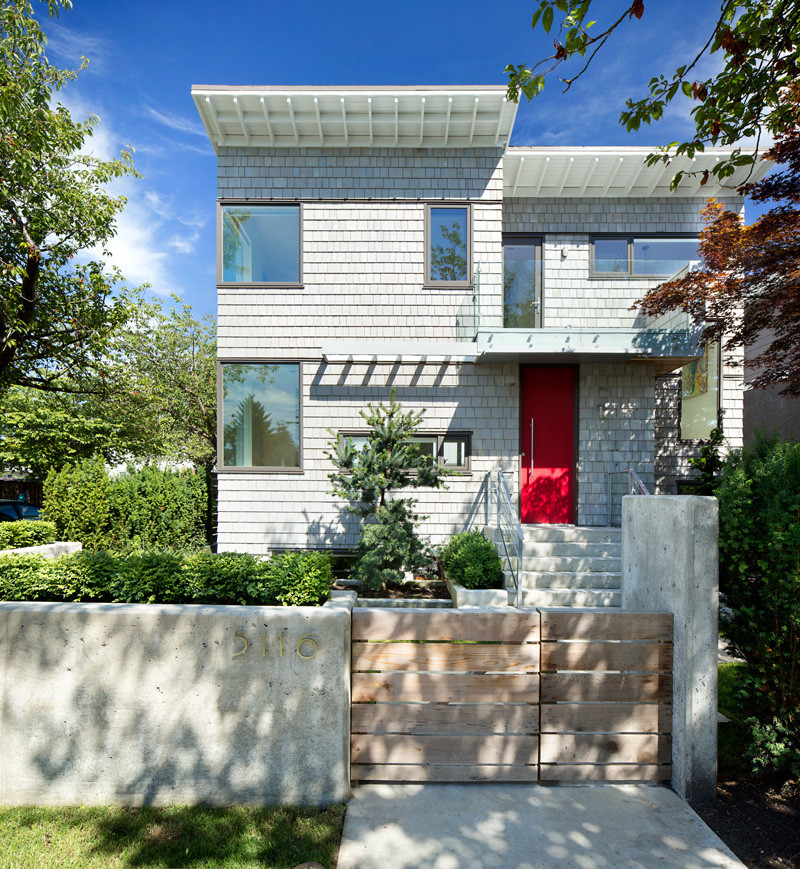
(289, 579)
(471, 560)
(26, 532)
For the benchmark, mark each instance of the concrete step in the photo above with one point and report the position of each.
(554, 564)
(593, 597)
(572, 533)
(538, 579)
(572, 549)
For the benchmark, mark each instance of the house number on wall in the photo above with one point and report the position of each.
(306, 646)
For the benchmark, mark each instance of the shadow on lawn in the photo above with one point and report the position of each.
(187, 836)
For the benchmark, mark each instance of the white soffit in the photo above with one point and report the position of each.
(615, 172)
(329, 117)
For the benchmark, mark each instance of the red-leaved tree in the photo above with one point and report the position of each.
(749, 282)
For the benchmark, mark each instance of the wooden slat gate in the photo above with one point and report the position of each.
(444, 695)
(452, 695)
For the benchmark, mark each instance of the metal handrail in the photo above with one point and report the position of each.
(509, 526)
(635, 487)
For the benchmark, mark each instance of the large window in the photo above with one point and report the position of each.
(522, 282)
(448, 251)
(641, 256)
(448, 449)
(700, 395)
(260, 418)
(260, 244)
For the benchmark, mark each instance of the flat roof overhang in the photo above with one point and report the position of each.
(374, 117)
(614, 172)
(665, 350)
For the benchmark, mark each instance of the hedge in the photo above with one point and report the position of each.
(26, 532)
(292, 578)
(146, 509)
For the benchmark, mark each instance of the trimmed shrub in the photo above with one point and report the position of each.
(471, 560)
(290, 579)
(26, 532)
(148, 509)
(759, 497)
(299, 578)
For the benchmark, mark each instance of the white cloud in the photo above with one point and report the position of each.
(68, 46)
(177, 122)
(184, 243)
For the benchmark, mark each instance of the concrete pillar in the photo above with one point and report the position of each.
(670, 563)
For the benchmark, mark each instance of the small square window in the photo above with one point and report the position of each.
(260, 244)
(448, 252)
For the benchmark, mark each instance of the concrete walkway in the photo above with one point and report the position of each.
(525, 827)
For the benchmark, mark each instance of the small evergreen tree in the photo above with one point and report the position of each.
(390, 460)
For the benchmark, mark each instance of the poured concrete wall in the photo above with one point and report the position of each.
(670, 563)
(149, 704)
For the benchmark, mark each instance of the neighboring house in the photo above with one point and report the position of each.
(372, 239)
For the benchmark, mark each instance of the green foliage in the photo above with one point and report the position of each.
(299, 578)
(756, 48)
(57, 311)
(471, 560)
(289, 579)
(759, 497)
(77, 501)
(389, 461)
(144, 509)
(709, 464)
(27, 532)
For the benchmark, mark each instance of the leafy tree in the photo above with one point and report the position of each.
(55, 314)
(749, 281)
(756, 42)
(369, 476)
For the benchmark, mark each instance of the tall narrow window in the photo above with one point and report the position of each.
(700, 395)
(522, 282)
(260, 244)
(449, 245)
(261, 415)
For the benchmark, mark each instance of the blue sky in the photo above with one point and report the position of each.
(144, 56)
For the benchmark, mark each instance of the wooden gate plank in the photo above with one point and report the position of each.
(504, 749)
(445, 657)
(609, 687)
(578, 625)
(605, 772)
(445, 688)
(596, 657)
(444, 772)
(387, 624)
(439, 718)
(605, 748)
(606, 718)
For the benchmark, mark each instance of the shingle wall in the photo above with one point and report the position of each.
(571, 298)
(259, 511)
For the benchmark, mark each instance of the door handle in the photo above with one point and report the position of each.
(531, 441)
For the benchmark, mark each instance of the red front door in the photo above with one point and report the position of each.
(547, 445)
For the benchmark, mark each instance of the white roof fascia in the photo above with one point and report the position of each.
(329, 117)
(615, 172)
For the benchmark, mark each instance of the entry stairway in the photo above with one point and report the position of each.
(570, 565)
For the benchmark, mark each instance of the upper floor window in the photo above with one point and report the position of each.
(522, 282)
(260, 415)
(448, 245)
(642, 256)
(259, 244)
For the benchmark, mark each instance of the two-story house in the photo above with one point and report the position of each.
(372, 239)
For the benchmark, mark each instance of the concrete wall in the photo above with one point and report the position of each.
(47, 550)
(147, 704)
(670, 563)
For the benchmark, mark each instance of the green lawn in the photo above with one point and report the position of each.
(177, 836)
